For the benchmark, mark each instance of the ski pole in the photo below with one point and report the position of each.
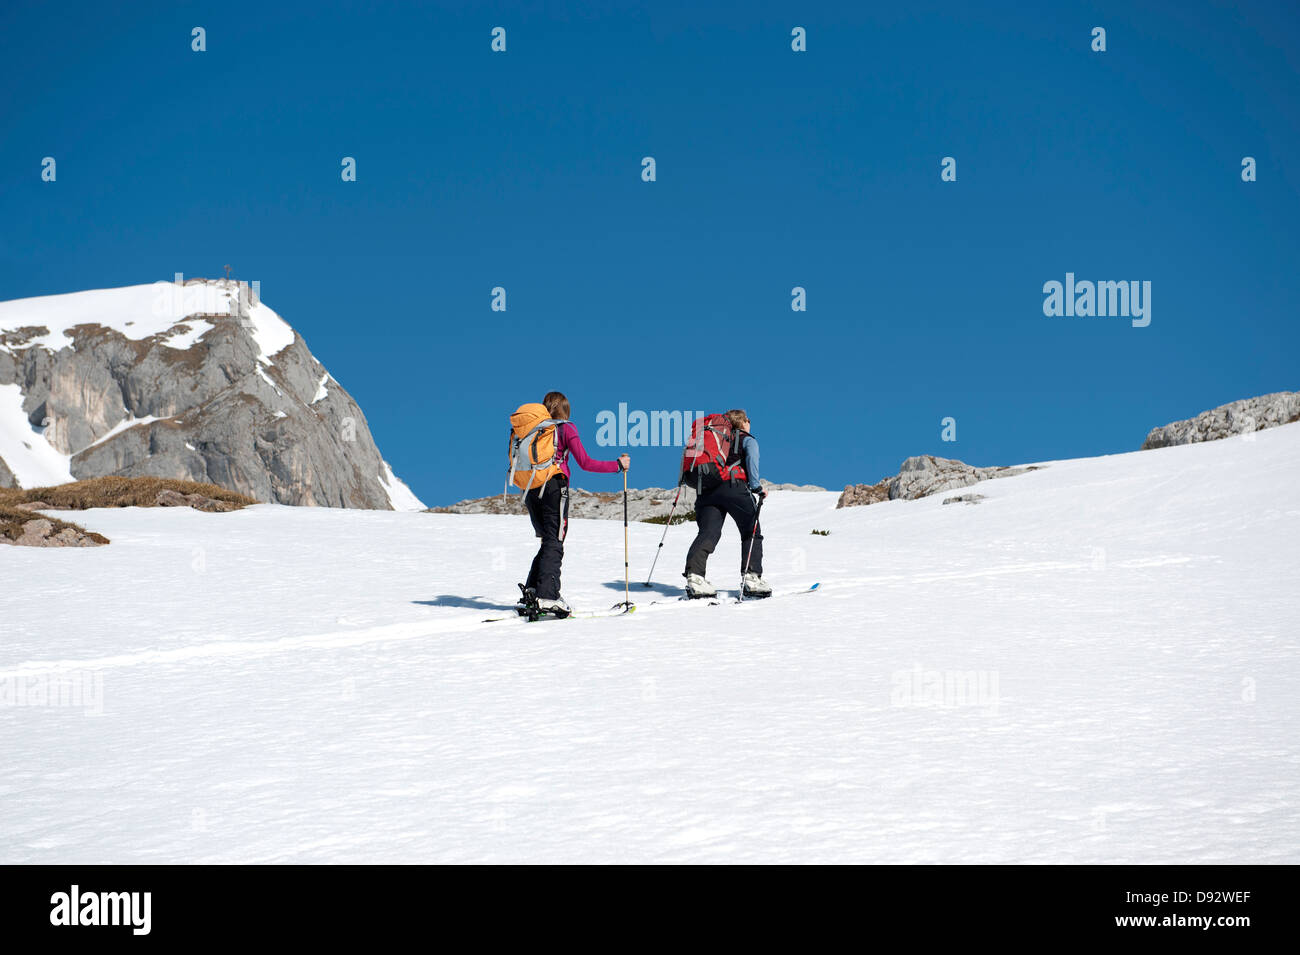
(667, 524)
(750, 553)
(627, 597)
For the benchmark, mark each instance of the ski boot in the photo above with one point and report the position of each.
(755, 586)
(556, 608)
(697, 587)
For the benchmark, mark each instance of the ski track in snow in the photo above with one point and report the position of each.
(311, 685)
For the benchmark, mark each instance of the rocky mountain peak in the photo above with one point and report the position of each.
(196, 380)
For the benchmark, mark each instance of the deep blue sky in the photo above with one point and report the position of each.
(775, 169)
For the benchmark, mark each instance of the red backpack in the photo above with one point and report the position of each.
(705, 460)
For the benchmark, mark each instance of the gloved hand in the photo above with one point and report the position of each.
(760, 494)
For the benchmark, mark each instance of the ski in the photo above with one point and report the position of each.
(620, 610)
(719, 599)
(586, 615)
(782, 593)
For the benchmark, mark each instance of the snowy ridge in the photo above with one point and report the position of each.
(142, 311)
(136, 311)
(1091, 665)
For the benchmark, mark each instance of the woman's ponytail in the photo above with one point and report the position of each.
(557, 406)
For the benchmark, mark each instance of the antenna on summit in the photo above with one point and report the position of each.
(227, 273)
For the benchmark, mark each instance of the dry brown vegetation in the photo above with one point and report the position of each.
(12, 520)
(18, 506)
(113, 491)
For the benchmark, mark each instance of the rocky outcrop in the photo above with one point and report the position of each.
(859, 495)
(170, 498)
(1237, 417)
(642, 503)
(228, 394)
(926, 474)
(923, 475)
(6, 476)
(602, 505)
(45, 532)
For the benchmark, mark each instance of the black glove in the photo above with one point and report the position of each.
(760, 494)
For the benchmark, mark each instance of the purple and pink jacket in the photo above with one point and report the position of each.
(567, 442)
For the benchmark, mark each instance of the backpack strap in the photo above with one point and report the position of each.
(542, 426)
(561, 455)
(736, 459)
(564, 511)
(512, 448)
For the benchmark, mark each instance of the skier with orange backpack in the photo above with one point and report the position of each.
(542, 438)
(722, 461)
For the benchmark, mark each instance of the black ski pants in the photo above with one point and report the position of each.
(711, 510)
(548, 507)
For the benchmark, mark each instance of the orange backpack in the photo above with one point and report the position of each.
(533, 458)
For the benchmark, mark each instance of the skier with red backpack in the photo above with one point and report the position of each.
(722, 461)
(542, 439)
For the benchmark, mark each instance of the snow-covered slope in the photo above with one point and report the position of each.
(195, 380)
(1097, 663)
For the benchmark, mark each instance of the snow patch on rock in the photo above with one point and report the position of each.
(32, 460)
(124, 424)
(181, 339)
(267, 378)
(271, 332)
(401, 496)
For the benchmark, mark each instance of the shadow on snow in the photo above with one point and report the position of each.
(476, 603)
